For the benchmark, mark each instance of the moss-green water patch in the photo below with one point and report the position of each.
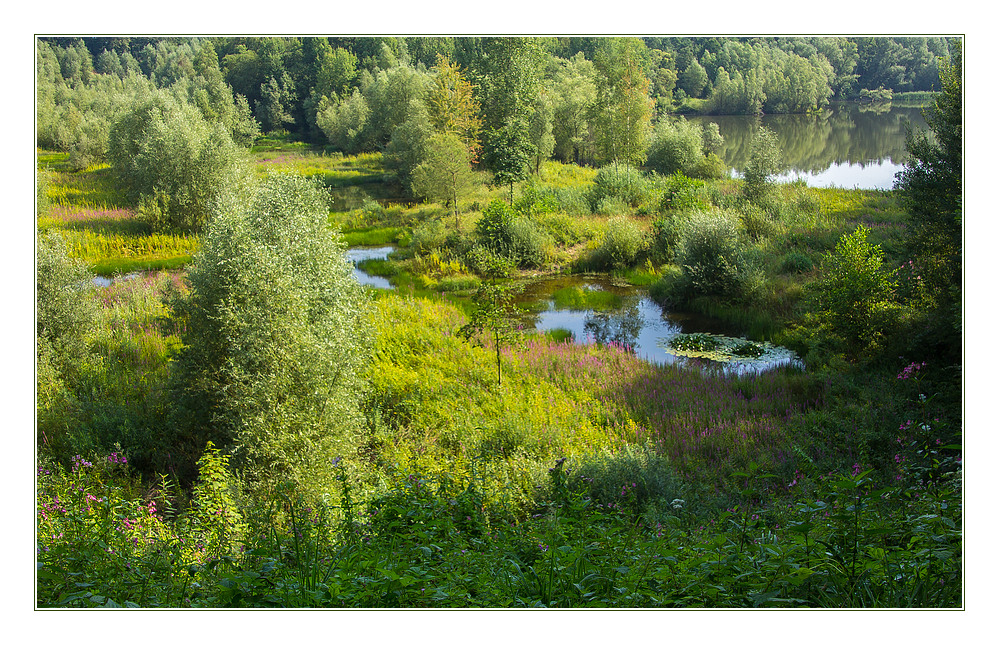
(580, 299)
(559, 335)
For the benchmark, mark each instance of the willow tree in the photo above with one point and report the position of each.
(275, 337)
(172, 162)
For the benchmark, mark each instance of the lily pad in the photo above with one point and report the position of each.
(725, 349)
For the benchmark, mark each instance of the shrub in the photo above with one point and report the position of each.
(676, 146)
(711, 255)
(493, 228)
(757, 222)
(710, 166)
(623, 241)
(636, 475)
(513, 237)
(173, 163)
(275, 337)
(795, 262)
(536, 201)
(529, 245)
(562, 227)
(683, 193)
(765, 161)
(857, 291)
(429, 235)
(64, 307)
(626, 183)
(664, 237)
(611, 206)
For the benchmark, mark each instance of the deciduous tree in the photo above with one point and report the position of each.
(445, 174)
(275, 336)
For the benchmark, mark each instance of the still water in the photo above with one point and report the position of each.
(627, 317)
(847, 144)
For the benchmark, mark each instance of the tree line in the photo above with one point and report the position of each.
(580, 99)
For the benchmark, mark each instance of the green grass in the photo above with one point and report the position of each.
(335, 170)
(374, 236)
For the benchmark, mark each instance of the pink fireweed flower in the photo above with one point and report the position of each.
(911, 371)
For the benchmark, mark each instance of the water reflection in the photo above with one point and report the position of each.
(639, 324)
(636, 323)
(359, 254)
(848, 144)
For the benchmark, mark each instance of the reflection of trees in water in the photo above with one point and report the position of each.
(622, 326)
(845, 133)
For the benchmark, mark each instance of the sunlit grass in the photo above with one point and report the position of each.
(108, 254)
(335, 170)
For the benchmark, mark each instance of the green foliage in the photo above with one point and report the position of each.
(764, 162)
(681, 193)
(66, 314)
(173, 163)
(65, 309)
(503, 232)
(664, 236)
(445, 174)
(215, 519)
(493, 227)
(275, 337)
(677, 146)
(508, 153)
(857, 292)
(712, 256)
(621, 182)
(622, 244)
(795, 262)
(932, 192)
(495, 314)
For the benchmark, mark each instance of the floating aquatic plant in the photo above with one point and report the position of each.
(724, 349)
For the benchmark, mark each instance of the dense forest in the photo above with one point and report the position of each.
(226, 417)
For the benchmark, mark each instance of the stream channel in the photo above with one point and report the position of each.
(622, 314)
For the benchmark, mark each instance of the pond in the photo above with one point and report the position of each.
(596, 309)
(850, 145)
(359, 254)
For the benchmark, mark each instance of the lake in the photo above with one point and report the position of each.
(850, 145)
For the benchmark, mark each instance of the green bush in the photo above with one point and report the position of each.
(795, 262)
(676, 146)
(429, 235)
(636, 475)
(665, 235)
(758, 223)
(623, 242)
(625, 183)
(765, 161)
(563, 228)
(857, 291)
(173, 163)
(535, 200)
(529, 245)
(493, 228)
(516, 238)
(275, 340)
(611, 206)
(681, 193)
(710, 166)
(712, 256)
